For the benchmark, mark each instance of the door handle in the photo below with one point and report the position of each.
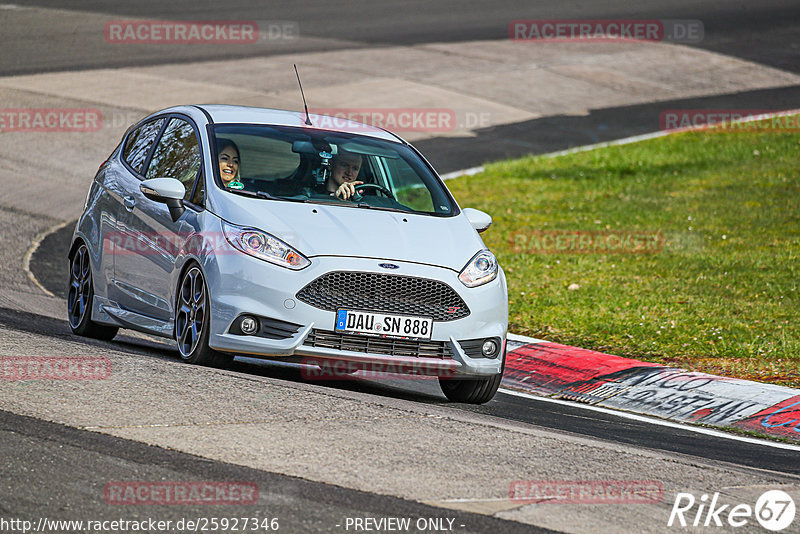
(129, 202)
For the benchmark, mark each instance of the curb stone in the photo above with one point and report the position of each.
(581, 375)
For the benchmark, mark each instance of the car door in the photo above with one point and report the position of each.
(122, 179)
(144, 266)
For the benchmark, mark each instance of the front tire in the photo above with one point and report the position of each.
(472, 390)
(80, 299)
(193, 321)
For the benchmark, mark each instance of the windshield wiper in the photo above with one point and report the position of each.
(383, 208)
(269, 196)
(242, 192)
(264, 195)
(365, 205)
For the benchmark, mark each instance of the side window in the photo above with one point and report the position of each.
(199, 192)
(409, 191)
(139, 142)
(177, 155)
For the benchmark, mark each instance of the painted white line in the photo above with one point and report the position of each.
(465, 172)
(624, 141)
(654, 421)
(525, 339)
(616, 142)
(26, 260)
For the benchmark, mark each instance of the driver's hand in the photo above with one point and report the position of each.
(347, 190)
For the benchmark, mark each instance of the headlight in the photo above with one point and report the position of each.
(264, 247)
(481, 269)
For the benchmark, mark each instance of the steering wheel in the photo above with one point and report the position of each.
(374, 187)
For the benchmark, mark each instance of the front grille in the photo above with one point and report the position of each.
(387, 293)
(378, 345)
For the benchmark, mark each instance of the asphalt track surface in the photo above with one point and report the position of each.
(37, 452)
(567, 419)
(764, 32)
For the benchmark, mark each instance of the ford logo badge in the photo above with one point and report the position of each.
(388, 266)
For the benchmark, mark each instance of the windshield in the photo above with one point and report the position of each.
(304, 165)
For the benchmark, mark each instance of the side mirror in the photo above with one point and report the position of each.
(168, 191)
(479, 220)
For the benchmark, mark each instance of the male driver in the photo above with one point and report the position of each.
(342, 181)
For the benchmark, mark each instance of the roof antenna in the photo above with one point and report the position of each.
(308, 120)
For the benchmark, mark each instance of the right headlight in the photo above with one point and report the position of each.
(264, 246)
(481, 269)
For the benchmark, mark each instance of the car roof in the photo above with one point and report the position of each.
(252, 115)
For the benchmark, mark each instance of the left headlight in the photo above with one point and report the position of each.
(264, 246)
(481, 269)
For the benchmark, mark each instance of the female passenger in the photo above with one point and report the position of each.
(228, 154)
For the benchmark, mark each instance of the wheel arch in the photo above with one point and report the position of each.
(76, 244)
(95, 260)
(190, 262)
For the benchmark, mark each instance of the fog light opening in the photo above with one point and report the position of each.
(489, 348)
(249, 325)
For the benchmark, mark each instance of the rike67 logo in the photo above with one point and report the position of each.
(774, 510)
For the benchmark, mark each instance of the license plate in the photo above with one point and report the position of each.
(383, 324)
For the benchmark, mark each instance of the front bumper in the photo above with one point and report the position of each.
(240, 284)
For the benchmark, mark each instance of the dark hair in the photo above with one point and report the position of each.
(223, 143)
(346, 154)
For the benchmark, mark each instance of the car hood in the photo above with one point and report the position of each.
(325, 230)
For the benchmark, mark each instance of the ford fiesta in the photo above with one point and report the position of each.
(277, 235)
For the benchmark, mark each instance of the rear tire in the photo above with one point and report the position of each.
(80, 299)
(192, 321)
(472, 390)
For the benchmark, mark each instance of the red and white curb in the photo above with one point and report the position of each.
(604, 380)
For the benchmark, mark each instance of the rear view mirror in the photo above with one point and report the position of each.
(312, 147)
(168, 191)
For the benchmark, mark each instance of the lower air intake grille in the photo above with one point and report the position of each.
(378, 345)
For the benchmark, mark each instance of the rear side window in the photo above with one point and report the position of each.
(138, 144)
(177, 155)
